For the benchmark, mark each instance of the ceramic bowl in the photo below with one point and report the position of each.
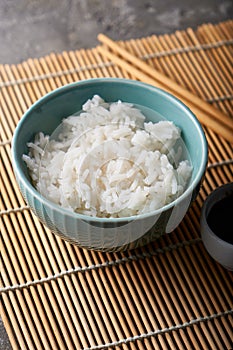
(111, 234)
(216, 225)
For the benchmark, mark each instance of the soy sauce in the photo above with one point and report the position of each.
(220, 218)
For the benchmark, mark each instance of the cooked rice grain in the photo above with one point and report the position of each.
(109, 162)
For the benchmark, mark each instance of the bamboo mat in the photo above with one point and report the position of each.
(169, 294)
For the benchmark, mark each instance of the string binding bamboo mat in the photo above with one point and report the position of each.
(169, 294)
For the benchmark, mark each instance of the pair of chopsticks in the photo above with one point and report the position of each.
(206, 114)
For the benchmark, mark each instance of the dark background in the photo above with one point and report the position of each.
(34, 28)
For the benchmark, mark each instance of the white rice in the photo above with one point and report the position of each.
(109, 162)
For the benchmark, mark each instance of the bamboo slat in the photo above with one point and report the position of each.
(169, 294)
(206, 114)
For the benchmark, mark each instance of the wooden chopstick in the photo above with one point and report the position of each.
(207, 114)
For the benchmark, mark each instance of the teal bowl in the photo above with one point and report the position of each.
(108, 234)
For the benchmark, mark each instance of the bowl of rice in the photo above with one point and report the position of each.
(109, 164)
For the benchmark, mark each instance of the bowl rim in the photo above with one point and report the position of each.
(29, 187)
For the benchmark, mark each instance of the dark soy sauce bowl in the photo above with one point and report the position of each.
(217, 225)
